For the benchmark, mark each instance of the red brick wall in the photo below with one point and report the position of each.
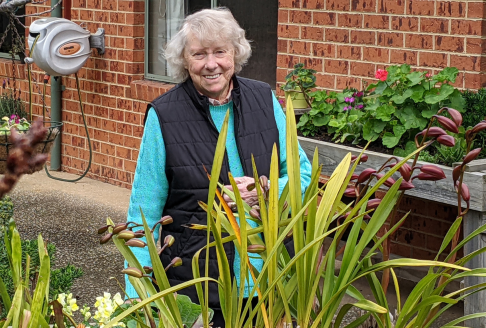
(346, 41)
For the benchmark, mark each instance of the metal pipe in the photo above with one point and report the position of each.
(56, 103)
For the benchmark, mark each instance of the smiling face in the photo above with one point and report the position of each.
(210, 65)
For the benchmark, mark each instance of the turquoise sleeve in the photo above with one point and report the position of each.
(150, 187)
(305, 165)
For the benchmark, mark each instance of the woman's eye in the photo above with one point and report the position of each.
(220, 53)
(198, 55)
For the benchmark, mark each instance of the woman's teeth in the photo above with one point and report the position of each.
(211, 77)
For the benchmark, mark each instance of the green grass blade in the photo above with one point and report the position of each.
(39, 298)
(14, 311)
(448, 237)
(6, 301)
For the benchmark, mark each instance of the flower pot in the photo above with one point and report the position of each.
(54, 128)
(298, 100)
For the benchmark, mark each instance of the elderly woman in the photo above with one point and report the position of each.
(180, 136)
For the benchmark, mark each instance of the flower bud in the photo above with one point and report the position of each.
(433, 170)
(169, 240)
(388, 182)
(479, 127)
(134, 272)
(256, 249)
(447, 123)
(250, 186)
(456, 116)
(255, 214)
(102, 230)
(176, 261)
(139, 234)
(446, 140)
(350, 192)
(354, 177)
(134, 242)
(364, 158)
(405, 185)
(353, 158)
(148, 269)
(456, 172)
(119, 227)
(105, 238)
(472, 155)
(465, 194)
(426, 177)
(373, 203)
(126, 235)
(434, 131)
(365, 175)
(264, 182)
(166, 220)
(405, 171)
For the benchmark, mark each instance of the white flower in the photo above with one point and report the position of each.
(117, 299)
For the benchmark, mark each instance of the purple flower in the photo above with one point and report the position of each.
(13, 116)
(346, 107)
(359, 107)
(358, 94)
(351, 100)
(280, 101)
(346, 99)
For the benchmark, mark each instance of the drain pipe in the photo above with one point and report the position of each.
(56, 103)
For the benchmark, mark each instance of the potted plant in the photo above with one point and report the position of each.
(298, 84)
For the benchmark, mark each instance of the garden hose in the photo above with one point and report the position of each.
(87, 134)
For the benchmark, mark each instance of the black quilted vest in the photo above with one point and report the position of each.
(190, 138)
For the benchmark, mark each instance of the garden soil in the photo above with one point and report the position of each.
(69, 215)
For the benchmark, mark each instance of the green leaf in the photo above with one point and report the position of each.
(321, 120)
(411, 118)
(448, 74)
(414, 78)
(378, 126)
(400, 99)
(418, 93)
(428, 113)
(190, 312)
(399, 130)
(381, 86)
(444, 92)
(384, 112)
(405, 68)
(390, 140)
(368, 133)
(457, 100)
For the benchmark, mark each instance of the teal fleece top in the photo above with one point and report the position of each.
(150, 186)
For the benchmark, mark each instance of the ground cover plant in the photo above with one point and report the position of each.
(304, 288)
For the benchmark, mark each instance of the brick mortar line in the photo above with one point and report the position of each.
(381, 47)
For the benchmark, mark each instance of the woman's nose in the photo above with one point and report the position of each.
(211, 62)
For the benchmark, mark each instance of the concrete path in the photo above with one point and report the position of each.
(69, 215)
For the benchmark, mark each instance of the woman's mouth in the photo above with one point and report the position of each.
(212, 77)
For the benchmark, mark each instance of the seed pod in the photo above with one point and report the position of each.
(353, 177)
(139, 234)
(456, 172)
(102, 230)
(366, 217)
(447, 123)
(446, 140)
(434, 131)
(105, 238)
(176, 261)
(195, 226)
(353, 158)
(456, 116)
(364, 158)
(126, 235)
(405, 171)
(134, 242)
(148, 269)
(133, 272)
(255, 214)
(250, 186)
(169, 240)
(433, 170)
(373, 203)
(350, 192)
(119, 227)
(405, 185)
(472, 155)
(479, 127)
(388, 182)
(256, 249)
(291, 232)
(426, 177)
(365, 175)
(465, 194)
(166, 220)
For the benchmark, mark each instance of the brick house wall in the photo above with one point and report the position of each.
(346, 41)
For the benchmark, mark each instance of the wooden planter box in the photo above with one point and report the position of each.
(429, 193)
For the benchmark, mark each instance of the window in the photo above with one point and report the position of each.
(15, 42)
(258, 18)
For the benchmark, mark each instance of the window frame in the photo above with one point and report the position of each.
(151, 76)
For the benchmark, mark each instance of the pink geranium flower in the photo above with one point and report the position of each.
(381, 75)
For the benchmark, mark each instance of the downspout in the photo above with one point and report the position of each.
(56, 94)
